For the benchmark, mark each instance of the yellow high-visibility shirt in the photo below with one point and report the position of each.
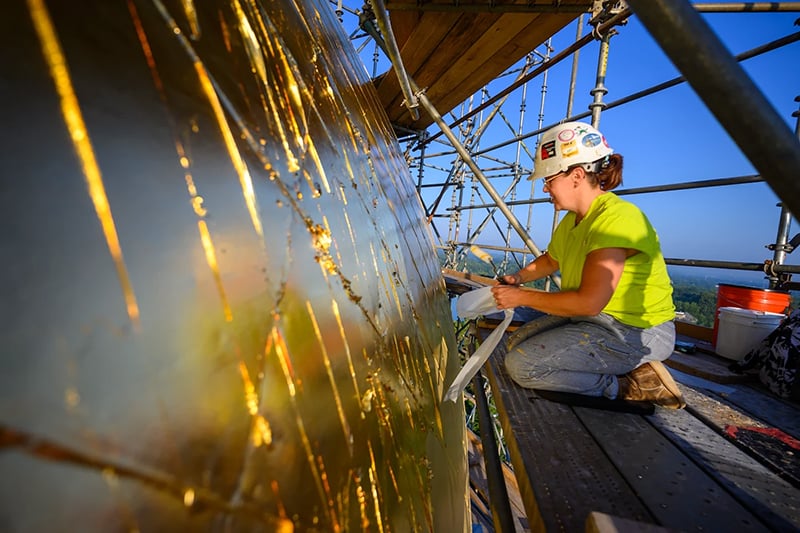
(643, 297)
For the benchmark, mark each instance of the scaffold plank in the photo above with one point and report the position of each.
(673, 469)
(562, 473)
(451, 53)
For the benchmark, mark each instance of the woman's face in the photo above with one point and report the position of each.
(557, 187)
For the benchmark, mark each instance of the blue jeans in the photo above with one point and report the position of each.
(586, 355)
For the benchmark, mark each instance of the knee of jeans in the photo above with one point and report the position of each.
(519, 367)
(511, 363)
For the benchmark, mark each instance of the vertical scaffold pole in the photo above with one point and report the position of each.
(539, 122)
(574, 74)
(600, 88)
(782, 246)
(517, 170)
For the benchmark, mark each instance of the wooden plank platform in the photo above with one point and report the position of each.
(556, 459)
(678, 470)
(710, 368)
(730, 461)
(452, 49)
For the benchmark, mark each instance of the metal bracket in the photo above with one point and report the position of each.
(788, 247)
(603, 10)
(607, 10)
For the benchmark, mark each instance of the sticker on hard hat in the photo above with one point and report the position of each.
(569, 149)
(592, 140)
(548, 149)
(566, 135)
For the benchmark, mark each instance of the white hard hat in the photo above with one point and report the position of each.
(567, 145)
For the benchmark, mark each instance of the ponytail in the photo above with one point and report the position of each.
(609, 175)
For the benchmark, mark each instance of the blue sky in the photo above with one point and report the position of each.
(669, 137)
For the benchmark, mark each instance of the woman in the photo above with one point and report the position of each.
(615, 288)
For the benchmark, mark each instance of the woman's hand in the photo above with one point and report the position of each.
(511, 279)
(509, 296)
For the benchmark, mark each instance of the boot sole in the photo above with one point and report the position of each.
(669, 383)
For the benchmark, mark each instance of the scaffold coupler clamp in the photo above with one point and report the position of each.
(779, 280)
(602, 11)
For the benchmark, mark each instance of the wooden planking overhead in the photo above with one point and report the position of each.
(453, 49)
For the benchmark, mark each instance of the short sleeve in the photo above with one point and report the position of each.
(622, 226)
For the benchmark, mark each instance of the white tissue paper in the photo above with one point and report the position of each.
(472, 305)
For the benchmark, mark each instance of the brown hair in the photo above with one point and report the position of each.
(610, 175)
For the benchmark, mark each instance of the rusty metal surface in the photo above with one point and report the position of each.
(221, 305)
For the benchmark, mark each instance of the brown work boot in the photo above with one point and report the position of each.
(652, 383)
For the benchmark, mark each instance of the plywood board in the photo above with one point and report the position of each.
(452, 52)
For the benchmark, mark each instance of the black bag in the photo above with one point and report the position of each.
(777, 359)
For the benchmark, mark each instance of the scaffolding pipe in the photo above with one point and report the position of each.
(732, 265)
(729, 265)
(728, 92)
(451, 180)
(488, 7)
(471, 236)
(574, 74)
(498, 493)
(781, 246)
(619, 18)
(393, 52)
(498, 248)
(745, 7)
(421, 169)
(458, 192)
(493, 7)
(523, 104)
(716, 7)
(753, 178)
(778, 43)
(599, 90)
(539, 121)
(469, 142)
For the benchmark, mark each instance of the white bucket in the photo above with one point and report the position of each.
(740, 330)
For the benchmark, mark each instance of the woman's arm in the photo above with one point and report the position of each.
(542, 266)
(601, 273)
